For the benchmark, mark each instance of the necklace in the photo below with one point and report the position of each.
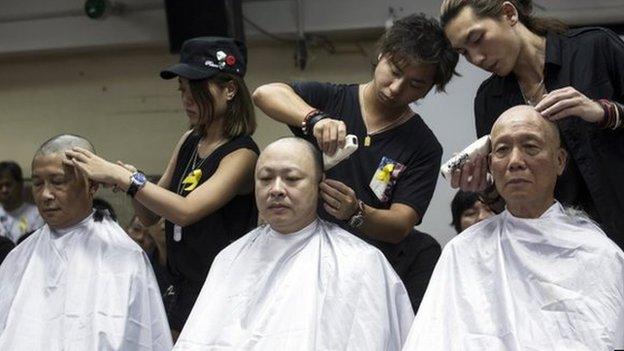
(195, 163)
(538, 91)
(400, 119)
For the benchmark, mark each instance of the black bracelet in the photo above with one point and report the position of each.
(314, 120)
(307, 126)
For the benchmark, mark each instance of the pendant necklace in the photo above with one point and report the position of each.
(406, 115)
(191, 180)
(529, 98)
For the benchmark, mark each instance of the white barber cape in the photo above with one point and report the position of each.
(84, 288)
(551, 283)
(320, 288)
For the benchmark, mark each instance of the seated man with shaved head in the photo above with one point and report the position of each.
(298, 282)
(78, 283)
(538, 276)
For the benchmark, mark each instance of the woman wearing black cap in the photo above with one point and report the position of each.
(206, 191)
(572, 76)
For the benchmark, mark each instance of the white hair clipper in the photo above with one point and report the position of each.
(351, 144)
(470, 153)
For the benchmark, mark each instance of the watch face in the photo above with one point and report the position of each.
(139, 177)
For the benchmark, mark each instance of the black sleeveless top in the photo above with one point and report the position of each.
(191, 257)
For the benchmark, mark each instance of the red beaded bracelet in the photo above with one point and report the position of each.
(610, 117)
(310, 120)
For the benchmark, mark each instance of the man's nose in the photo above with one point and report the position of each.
(395, 87)
(277, 187)
(516, 160)
(46, 193)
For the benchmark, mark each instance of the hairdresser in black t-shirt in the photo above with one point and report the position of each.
(206, 191)
(383, 190)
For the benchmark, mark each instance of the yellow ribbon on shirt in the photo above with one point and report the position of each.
(192, 180)
(385, 173)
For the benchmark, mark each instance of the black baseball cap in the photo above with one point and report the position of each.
(203, 57)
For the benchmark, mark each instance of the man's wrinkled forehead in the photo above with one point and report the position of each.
(286, 154)
(50, 165)
(524, 120)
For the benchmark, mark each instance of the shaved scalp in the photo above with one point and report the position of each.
(528, 114)
(312, 151)
(61, 143)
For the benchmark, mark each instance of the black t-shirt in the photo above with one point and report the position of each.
(411, 144)
(592, 61)
(191, 257)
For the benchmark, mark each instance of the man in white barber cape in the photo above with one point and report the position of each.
(297, 282)
(538, 276)
(79, 283)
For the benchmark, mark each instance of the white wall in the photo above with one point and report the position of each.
(451, 117)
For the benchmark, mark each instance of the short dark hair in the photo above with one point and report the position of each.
(462, 201)
(13, 169)
(420, 38)
(103, 205)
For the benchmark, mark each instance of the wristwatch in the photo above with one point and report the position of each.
(137, 181)
(357, 219)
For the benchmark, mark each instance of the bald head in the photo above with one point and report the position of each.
(63, 194)
(288, 173)
(526, 160)
(300, 145)
(526, 115)
(61, 143)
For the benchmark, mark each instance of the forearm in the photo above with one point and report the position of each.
(280, 102)
(152, 202)
(385, 225)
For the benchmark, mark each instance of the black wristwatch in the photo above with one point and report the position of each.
(137, 181)
(357, 219)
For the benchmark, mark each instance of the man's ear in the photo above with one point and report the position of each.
(562, 159)
(509, 13)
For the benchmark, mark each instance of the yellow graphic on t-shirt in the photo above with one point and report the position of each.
(192, 180)
(384, 173)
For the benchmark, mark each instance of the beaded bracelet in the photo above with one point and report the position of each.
(610, 118)
(307, 125)
(618, 116)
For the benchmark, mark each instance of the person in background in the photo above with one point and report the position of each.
(17, 217)
(467, 209)
(152, 241)
(572, 76)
